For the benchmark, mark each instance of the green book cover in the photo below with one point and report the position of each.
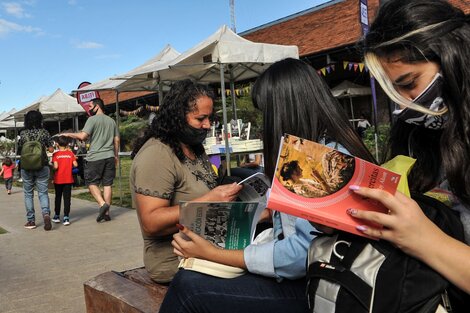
(229, 225)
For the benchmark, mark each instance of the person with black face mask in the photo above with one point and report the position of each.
(102, 156)
(417, 51)
(170, 165)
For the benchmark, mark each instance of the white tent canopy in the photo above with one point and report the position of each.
(140, 78)
(7, 121)
(244, 59)
(57, 106)
(349, 89)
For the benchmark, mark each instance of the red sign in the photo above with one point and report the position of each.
(84, 97)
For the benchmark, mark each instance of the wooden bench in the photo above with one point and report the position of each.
(130, 291)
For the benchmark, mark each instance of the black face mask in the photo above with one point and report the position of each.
(92, 110)
(430, 98)
(191, 136)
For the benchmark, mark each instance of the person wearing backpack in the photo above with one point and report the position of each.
(418, 50)
(32, 145)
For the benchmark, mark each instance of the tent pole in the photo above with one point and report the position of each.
(224, 113)
(119, 149)
(232, 90)
(16, 138)
(352, 110)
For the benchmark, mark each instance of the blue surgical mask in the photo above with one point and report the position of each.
(430, 98)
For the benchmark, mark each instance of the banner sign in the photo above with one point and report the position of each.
(84, 97)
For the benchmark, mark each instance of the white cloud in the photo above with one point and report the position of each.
(7, 27)
(88, 45)
(72, 2)
(15, 9)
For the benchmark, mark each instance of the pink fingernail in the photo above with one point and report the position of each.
(354, 187)
(180, 227)
(351, 211)
(361, 228)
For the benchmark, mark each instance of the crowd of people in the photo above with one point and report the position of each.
(417, 51)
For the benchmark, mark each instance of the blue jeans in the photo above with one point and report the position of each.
(39, 179)
(192, 291)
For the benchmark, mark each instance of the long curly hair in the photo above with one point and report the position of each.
(171, 117)
(422, 31)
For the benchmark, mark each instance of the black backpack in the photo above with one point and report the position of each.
(348, 273)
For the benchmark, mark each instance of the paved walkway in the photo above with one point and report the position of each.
(44, 271)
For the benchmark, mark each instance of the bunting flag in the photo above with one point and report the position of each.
(151, 108)
(326, 70)
(139, 110)
(239, 92)
(354, 66)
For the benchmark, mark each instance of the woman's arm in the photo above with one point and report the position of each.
(408, 228)
(198, 247)
(157, 217)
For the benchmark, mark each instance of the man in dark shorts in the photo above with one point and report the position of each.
(102, 156)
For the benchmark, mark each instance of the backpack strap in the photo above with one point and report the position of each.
(344, 277)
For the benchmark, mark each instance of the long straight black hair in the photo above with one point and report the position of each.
(294, 99)
(419, 31)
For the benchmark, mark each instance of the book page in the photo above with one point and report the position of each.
(228, 225)
(255, 188)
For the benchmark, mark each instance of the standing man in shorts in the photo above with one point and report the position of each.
(102, 155)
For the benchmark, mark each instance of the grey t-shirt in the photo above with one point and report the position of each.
(102, 129)
(157, 172)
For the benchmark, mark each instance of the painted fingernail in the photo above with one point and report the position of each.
(180, 227)
(351, 211)
(354, 187)
(361, 228)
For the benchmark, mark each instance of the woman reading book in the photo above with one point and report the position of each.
(418, 51)
(295, 100)
(169, 165)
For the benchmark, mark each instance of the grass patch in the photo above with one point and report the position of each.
(126, 192)
(2, 231)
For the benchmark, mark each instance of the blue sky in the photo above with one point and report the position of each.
(50, 44)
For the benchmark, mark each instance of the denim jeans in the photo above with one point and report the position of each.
(38, 179)
(192, 291)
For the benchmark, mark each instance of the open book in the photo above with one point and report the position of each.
(228, 225)
(312, 181)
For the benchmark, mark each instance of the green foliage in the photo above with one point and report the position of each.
(245, 111)
(7, 148)
(382, 138)
(130, 128)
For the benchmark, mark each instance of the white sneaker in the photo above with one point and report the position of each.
(66, 221)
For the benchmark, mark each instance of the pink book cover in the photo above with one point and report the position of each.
(312, 181)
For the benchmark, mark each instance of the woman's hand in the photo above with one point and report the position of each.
(196, 247)
(405, 225)
(223, 193)
(409, 229)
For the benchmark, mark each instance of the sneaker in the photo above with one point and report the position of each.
(30, 225)
(66, 221)
(9, 192)
(103, 210)
(47, 222)
(56, 219)
(107, 218)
